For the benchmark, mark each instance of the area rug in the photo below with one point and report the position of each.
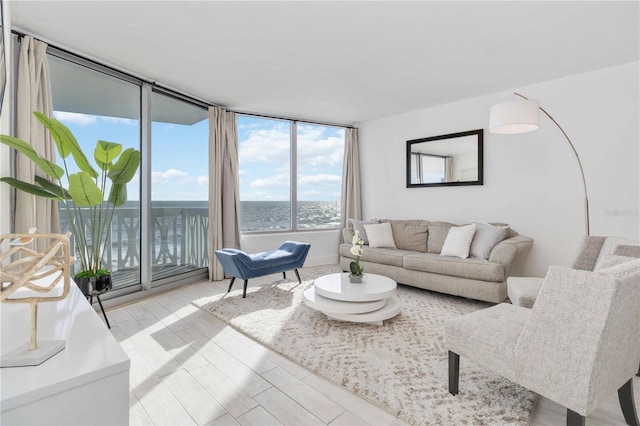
(400, 366)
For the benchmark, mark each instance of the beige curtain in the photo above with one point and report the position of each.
(33, 94)
(224, 193)
(351, 203)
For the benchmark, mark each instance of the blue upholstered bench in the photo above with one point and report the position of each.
(238, 264)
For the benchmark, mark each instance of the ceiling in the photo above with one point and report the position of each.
(340, 62)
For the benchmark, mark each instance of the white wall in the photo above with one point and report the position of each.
(531, 181)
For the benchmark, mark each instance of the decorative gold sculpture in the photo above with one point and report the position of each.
(22, 267)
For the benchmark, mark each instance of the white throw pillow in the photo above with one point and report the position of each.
(486, 238)
(380, 235)
(358, 225)
(458, 241)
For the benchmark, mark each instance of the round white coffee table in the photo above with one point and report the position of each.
(371, 301)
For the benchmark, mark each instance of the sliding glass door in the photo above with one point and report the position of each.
(160, 235)
(179, 186)
(97, 106)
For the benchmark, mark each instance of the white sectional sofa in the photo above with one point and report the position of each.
(417, 260)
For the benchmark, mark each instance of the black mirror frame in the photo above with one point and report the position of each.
(479, 133)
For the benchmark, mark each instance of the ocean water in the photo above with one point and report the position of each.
(275, 215)
(254, 216)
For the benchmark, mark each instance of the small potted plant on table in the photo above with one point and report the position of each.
(357, 271)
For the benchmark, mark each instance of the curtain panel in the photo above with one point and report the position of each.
(33, 94)
(351, 202)
(224, 192)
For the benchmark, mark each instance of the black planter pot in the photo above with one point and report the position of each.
(92, 286)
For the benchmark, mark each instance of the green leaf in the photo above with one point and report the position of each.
(354, 268)
(54, 188)
(66, 143)
(106, 152)
(118, 194)
(125, 168)
(84, 191)
(48, 167)
(29, 188)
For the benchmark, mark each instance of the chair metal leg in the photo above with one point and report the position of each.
(454, 372)
(298, 275)
(575, 419)
(231, 284)
(625, 396)
(284, 275)
(244, 292)
(103, 312)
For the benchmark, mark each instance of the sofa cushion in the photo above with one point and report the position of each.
(475, 269)
(383, 256)
(458, 241)
(358, 225)
(437, 234)
(611, 254)
(380, 235)
(410, 234)
(486, 238)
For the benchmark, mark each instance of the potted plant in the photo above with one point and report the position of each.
(85, 189)
(357, 271)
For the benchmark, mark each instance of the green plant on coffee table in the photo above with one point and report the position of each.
(356, 249)
(86, 189)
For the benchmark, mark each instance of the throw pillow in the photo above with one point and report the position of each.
(410, 234)
(357, 225)
(380, 235)
(458, 241)
(486, 238)
(437, 234)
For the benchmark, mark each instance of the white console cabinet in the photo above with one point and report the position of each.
(87, 383)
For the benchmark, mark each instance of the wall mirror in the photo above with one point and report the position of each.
(446, 160)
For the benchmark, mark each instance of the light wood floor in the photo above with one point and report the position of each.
(188, 367)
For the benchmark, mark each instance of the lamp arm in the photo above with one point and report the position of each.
(573, 148)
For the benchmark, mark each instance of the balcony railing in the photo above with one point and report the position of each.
(179, 242)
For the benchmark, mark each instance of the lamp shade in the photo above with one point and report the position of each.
(519, 116)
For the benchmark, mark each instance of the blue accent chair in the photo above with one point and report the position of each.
(238, 264)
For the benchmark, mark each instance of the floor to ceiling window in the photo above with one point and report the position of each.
(290, 174)
(179, 186)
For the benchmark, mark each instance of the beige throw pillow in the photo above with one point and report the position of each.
(380, 235)
(458, 241)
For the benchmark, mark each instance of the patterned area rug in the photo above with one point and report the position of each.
(401, 366)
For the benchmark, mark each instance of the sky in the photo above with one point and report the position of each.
(179, 156)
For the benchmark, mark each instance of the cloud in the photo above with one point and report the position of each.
(319, 179)
(270, 146)
(171, 176)
(202, 180)
(74, 118)
(281, 180)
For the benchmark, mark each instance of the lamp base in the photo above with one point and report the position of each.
(23, 357)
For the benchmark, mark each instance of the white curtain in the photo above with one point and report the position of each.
(224, 193)
(33, 94)
(351, 203)
(448, 169)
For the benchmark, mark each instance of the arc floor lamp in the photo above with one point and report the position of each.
(522, 116)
